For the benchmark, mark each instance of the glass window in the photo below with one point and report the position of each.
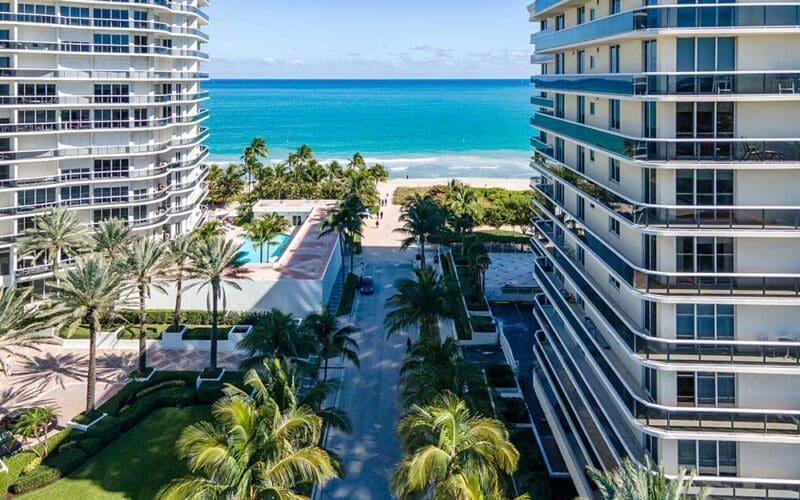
(684, 321)
(727, 458)
(615, 114)
(726, 389)
(707, 458)
(686, 389)
(581, 15)
(614, 6)
(614, 59)
(613, 170)
(706, 389)
(581, 109)
(687, 454)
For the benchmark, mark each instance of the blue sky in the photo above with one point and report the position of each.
(369, 39)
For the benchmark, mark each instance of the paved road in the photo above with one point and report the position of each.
(369, 395)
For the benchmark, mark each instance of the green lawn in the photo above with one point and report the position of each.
(134, 466)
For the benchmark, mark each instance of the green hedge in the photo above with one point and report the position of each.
(164, 317)
(37, 478)
(500, 376)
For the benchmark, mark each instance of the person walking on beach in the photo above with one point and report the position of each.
(381, 214)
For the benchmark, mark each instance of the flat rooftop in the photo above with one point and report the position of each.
(308, 254)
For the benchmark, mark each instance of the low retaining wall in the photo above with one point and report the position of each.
(171, 341)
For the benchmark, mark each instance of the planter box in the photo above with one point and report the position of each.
(173, 340)
(142, 379)
(85, 427)
(481, 339)
(200, 378)
(238, 332)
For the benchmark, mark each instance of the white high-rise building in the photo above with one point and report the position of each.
(100, 111)
(668, 190)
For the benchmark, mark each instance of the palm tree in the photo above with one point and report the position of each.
(644, 482)
(251, 157)
(378, 173)
(211, 229)
(88, 292)
(303, 156)
(360, 183)
(422, 218)
(35, 423)
(210, 262)
(146, 262)
(432, 368)
(254, 449)
(447, 448)
(478, 262)
(274, 336)
(111, 237)
(460, 200)
(356, 162)
(276, 379)
(419, 302)
(56, 233)
(262, 231)
(179, 251)
(23, 325)
(333, 339)
(348, 222)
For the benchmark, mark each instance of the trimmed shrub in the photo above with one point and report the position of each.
(482, 324)
(208, 392)
(65, 461)
(164, 317)
(37, 478)
(16, 466)
(90, 446)
(106, 430)
(500, 376)
(177, 396)
(167, 384)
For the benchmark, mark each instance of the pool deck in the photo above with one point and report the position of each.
(308, 254)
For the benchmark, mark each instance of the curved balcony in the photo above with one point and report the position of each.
(168, 5)
(161, 170)
(780, 84)
(542, 101)
(713, 149)
(39, 154)
(776, 354)
(644, 21)
(52, 74)
(101, 125)
(99, 49)
(654, 218)
(638, 407)
(91, 22)
(103, 100)
(94, 202)
(672, 283)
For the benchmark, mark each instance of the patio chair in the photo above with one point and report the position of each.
(786, 86)
(750, 152)
(722, 85)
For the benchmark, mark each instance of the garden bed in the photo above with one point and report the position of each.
(483, 324)
(131, 332)
(512, 410)
(203, 332)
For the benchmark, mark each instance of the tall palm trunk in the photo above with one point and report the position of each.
(325, 371)
(262, 253)
(215, 295)
(91, 379)
(422, 250)
(342, 251)
(176, 314)
(142, 330)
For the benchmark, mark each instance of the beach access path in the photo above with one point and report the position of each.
(369, 395)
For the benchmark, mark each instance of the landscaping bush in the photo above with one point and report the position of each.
(536, 484)
(500, 376)
(197, 317)
(91, 446)
(482, 324)
(133, 414)
(512, 410)
(127, 394)
(208, 392)
(66, 461)
(16, 466)
(106, 430)
(167, 384)
(37, 478)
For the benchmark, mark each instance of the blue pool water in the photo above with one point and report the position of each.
(419, 128)
(276, 249)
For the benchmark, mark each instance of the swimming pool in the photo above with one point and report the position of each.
(276, 248)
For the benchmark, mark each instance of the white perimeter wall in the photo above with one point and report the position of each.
(299, 297)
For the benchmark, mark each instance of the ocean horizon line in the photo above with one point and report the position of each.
(259, 79)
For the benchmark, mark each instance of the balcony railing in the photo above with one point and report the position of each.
(655, 17)
(9, 156)
(71, 179)
(690, 84)
(48, 74)
(675, 283)
(728, 352)
(132, 123)
(98, 48)
(87, 100)
(673, 149)
(714, 217)
(74, 21)
(646, 413)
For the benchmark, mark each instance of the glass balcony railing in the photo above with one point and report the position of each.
(100, 74)
(717, 16)
(45, 100)
(542, 101)
(74, 21)
(775, 83)
(675, 216)
(646, 413)
(729, 352)
(673, 149)
(702, 282)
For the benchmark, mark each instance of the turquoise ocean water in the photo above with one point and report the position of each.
(419, 128)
